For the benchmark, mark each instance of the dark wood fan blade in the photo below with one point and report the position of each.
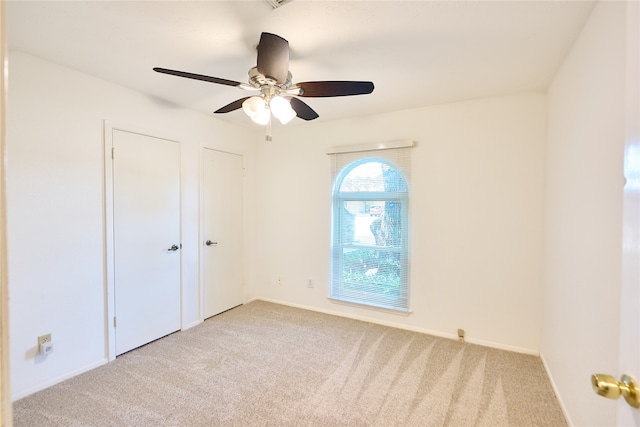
(197, 76)
(273, 57)
(302, 110)
(334, 88)
(232, 106)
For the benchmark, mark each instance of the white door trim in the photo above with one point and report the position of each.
(6, 417)
(109, 264)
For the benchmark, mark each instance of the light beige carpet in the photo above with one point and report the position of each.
(264, 364)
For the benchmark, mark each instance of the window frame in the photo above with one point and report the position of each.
(337, 288)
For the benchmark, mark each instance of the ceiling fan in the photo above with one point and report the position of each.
(278, 93)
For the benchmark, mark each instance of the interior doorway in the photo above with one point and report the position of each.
(222, 236)
(143, 173)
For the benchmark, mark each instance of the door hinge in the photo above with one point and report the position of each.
(113, 150)
(114, 321)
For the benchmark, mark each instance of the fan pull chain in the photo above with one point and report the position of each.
(268, 136)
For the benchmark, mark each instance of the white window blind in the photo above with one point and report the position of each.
(370, 228)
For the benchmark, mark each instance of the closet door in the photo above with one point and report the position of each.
(146, 216)
(222, 231)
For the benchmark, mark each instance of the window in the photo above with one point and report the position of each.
(370, 229)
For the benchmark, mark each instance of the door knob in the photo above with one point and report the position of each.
(609, 387)
(173, 248)
(210, 243)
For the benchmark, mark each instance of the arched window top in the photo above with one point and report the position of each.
(371, 175)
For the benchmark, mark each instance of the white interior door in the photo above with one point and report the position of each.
(223, 175)
(146, 216)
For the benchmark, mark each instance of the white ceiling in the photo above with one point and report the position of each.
(417, 53)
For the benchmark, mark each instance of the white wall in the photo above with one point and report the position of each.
(477, 191)
(476, 216)
(479, 227)
(56, 209)
(583, 215)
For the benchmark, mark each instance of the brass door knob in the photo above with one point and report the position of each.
(609, 387)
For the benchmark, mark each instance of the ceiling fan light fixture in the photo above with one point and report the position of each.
(281, 108)
(278, 94)
(256, 108)
(263, 117)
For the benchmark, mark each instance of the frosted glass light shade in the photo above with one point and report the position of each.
(256, 109)
(281, 108)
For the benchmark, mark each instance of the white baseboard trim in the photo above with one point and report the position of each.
(191, 325)
(54, 381)
(555, 390)
(401, 326)
(24, 393)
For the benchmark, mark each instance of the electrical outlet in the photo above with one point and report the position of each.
(461, 335)
(43, 339)
(45, 345)
(310, 283)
